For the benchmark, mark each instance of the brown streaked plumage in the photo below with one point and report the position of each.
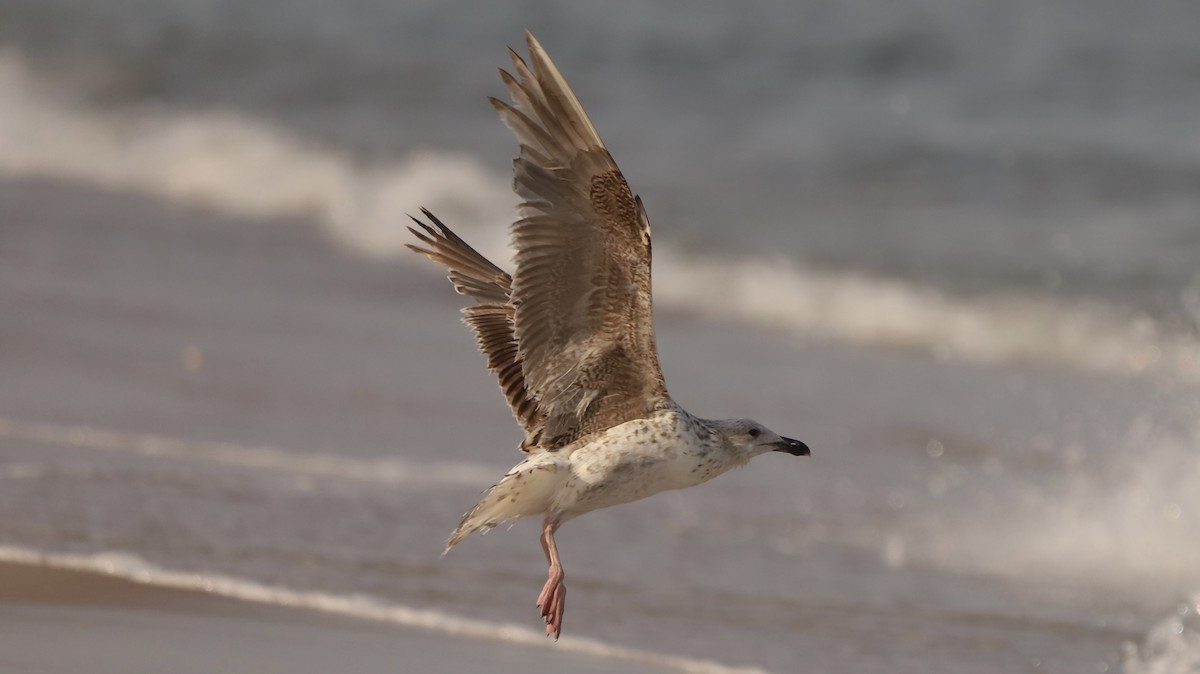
(570, 334)
(582, 284)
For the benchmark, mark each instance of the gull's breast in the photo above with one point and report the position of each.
(638, 459)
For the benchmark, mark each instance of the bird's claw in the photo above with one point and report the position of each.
(553, 602)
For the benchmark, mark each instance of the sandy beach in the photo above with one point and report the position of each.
(55, 621)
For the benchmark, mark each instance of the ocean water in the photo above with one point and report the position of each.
(952, 246)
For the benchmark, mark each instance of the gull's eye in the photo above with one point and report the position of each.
(754, 432)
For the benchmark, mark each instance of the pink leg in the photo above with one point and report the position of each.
(553, 599)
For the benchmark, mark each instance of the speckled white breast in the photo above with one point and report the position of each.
(669, 450)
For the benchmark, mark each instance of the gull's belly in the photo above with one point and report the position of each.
(637, 460)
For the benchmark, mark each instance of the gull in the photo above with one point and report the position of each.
(570, 336)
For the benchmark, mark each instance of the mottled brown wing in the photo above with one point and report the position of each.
(492, 317)
(581, 289)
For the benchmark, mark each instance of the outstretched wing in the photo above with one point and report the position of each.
(581, 290)
(491, 318)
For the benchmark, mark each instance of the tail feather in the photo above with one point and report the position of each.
(528, 489)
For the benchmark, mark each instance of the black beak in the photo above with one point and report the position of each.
(793, 447)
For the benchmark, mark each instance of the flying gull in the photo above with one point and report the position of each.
(570, 337)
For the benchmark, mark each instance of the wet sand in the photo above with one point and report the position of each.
(55, 621)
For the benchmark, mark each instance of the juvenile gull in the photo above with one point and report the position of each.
(570, 337)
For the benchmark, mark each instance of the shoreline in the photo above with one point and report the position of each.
(65, 621)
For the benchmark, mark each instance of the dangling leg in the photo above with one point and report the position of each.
(553, 599)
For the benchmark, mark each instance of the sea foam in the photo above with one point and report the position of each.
(1172, 646)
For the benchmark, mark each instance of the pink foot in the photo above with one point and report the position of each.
(553, 602)
(553, 599)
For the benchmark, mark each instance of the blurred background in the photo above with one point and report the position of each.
(954, 246)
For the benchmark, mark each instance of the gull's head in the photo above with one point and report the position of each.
(750, 438)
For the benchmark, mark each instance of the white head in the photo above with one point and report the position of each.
(750, 438)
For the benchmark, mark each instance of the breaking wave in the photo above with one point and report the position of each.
(235, 164)
(248, 167)
(1129, 526)
(1086, 335)
(1172, 646)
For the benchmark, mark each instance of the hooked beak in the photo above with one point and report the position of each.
(793, 447)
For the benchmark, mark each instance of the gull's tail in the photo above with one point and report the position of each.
(527, 489)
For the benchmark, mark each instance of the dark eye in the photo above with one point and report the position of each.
(754, 432)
